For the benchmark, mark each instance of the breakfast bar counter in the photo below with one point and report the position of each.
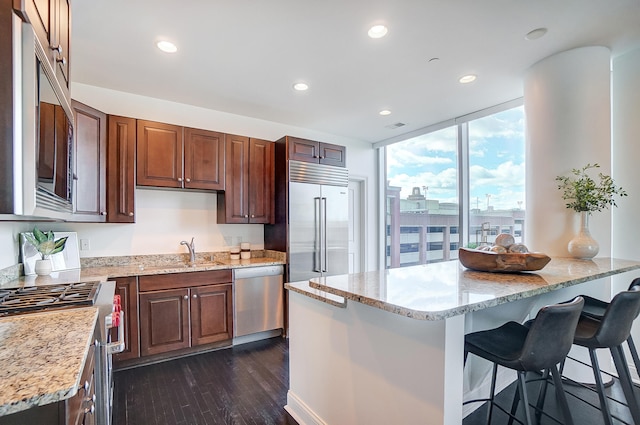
(387, 346)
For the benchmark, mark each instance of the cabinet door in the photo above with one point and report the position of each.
(159, 152)
(61, 35)
(90, 161)
(211, 314)
(233, 205)
(127, 288)
(121, 150)
(40, 14)
(164, 321)
(62, 176)
(203, 159)
(303, 150)
(333, 155)
(261, 181)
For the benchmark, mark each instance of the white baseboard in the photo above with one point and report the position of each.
(300, 412)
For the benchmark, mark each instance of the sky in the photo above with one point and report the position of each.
(496, 160)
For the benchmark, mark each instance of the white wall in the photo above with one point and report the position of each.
(165, 217)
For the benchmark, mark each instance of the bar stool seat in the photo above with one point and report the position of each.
(610, 332)
(541, 346)
(596, 308)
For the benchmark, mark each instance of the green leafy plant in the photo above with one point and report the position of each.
(583, 193)
(45, 243)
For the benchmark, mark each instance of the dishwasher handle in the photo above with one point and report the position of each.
(250, 272)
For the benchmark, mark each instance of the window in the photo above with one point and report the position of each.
(423, 188)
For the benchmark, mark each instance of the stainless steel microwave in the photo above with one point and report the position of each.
(42, 163)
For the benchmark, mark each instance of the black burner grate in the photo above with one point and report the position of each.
(36, 298)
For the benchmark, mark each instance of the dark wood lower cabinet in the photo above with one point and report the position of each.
(194, 309)
(211, 314)
(127, 288)
(164, 321)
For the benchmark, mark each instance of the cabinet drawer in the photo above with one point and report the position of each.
(183, 280)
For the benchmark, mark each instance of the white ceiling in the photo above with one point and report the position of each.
(242, 56)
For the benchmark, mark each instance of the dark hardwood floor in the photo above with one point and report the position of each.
(243, 385)
(247, 385)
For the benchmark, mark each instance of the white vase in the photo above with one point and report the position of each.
(583, 245)
(43, 267)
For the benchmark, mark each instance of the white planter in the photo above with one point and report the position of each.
(583, 245)
(43, 267)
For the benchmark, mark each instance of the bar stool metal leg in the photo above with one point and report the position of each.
(493, 392)
(600, 387)
(625, 381)
(561, 397)
(525, 398)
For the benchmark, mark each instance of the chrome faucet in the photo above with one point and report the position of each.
(192, 250)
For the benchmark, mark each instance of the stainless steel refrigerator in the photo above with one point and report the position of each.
(318, 220)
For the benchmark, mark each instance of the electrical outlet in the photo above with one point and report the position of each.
(85, 245)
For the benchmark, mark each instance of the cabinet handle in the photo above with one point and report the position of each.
(103, 213)
(246, 216)
(321, 157)
(130, 214)
(188, 180)
(86, 386)
(186, 297)
(179, 179)
(90, 410)
(253, 216)
(195, 295)
(57, 49)
(63, 60)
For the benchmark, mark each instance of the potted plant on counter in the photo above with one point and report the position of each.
(585, 195)
(46, 244)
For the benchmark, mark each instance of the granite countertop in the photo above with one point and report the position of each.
(440, 290)
(105, 271)
(42, 356)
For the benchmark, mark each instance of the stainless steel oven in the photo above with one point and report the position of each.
(69, 295)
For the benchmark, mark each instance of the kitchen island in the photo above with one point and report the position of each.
(387, 346)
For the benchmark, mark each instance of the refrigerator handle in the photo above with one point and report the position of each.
(325, 266)
(317, 243)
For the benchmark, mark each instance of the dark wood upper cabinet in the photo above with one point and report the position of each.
(316, 152)
(121, 162)
(249, 181)
(173, 156)
(51, 22)
(159, 154)
(203, 159)
(90, 131)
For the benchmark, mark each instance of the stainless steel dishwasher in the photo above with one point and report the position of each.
(258, 299)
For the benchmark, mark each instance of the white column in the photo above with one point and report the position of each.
(626, 151)
(568, 120)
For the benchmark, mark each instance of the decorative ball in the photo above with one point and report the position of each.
(505, 240)
(498, 249)
(518, 247)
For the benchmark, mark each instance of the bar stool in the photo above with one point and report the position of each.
(529, 349)
(611, 332)
(595, 309)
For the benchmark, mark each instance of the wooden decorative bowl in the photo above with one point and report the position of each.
(488, 261)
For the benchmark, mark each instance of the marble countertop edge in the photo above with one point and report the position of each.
(445, 313)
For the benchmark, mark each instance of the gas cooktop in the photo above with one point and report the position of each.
(36, 298)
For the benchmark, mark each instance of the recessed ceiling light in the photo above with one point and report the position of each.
(301, 86)
(377, 31)
(167, 46)
(466, 79)
(535, 34)
(385, 112)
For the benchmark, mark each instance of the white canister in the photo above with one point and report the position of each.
(234, 253)
(245, 250)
